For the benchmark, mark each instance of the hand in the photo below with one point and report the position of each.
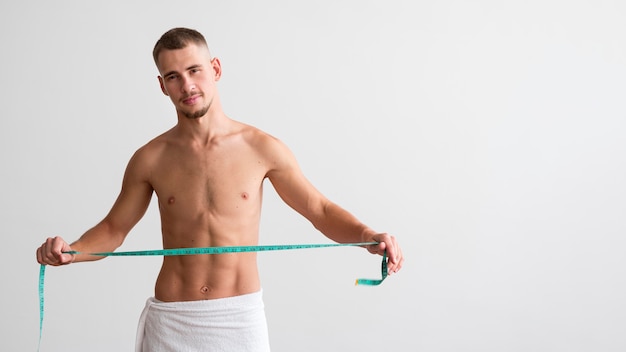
(387, 243)
(51, 252)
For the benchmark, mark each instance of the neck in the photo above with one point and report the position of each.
(205, 128)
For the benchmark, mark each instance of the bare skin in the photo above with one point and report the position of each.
(208, 173)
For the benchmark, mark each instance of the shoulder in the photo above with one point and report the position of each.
(264, 143)
(151, 149)
(147, 155)
(271, 151)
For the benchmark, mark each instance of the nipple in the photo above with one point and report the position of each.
(244, 195)
(171, 200)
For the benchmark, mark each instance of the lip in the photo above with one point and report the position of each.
(191, 100)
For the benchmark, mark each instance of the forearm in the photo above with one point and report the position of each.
(101, 238)
(341, 226)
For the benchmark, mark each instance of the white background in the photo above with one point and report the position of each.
(488, 136)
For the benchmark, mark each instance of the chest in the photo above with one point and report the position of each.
(226, 178)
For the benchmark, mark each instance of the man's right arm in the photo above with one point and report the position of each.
(108, 234)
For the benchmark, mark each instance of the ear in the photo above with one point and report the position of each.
(217, 68)
(162, 85)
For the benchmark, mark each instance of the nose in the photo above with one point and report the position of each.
(188, 85)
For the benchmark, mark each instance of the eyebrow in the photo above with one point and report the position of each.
(187, 69)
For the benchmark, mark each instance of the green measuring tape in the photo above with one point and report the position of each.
(212, 250)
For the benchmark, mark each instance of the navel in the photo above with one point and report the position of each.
(244, 195)
(205, 289)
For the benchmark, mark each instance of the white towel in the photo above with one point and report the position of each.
(233, 324)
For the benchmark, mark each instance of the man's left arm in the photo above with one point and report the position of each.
(329, 218)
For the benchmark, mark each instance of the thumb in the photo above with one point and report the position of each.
(378, 248)
(64, 257)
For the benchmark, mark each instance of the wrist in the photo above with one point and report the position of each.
(367, 235)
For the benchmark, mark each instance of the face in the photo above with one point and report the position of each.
(188, 77)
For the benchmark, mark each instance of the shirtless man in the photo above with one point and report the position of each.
(208, 172)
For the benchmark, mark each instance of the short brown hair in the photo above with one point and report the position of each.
(177, 38)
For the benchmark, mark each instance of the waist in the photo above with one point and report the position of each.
(207, 277)
(243, 300)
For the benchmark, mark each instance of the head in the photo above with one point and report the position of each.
(177, 38)
(188, 74)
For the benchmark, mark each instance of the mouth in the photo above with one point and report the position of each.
(191, 100)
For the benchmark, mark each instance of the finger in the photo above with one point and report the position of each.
(50, 251)
(395, 267)
(49, 257)
(44, 252)
(38, 256)
(58, 245)
(395, 255)
(392, 249)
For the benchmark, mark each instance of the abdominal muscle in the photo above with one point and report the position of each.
(207, 276)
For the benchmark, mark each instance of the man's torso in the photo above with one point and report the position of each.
(208, 196)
